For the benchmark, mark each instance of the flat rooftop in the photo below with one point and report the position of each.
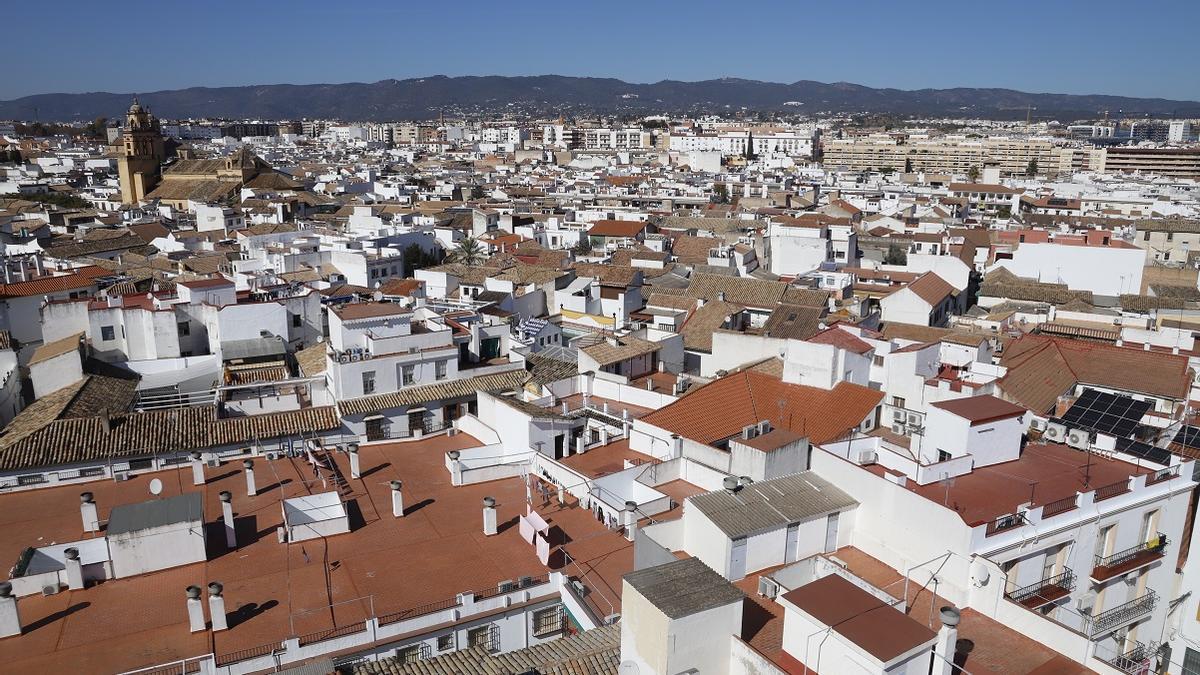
(275, 590)
(1045, 473)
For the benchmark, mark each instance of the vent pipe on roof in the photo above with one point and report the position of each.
(227, 514)
(731, 485)
(251, 488)
(397, 499)
(630, 520)
(352, 450)
(745, 481)
(489, 516)
(195, 609)
(216, 606)
(10, 618)
(947, 640)
(197, 469)
(87, 509)
(74, 569)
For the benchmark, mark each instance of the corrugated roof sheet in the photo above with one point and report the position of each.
(441, 391)
(771, 504)
(684, 587)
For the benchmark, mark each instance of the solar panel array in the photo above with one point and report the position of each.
(1144, 450)
(1107, 413)
(1189, 437)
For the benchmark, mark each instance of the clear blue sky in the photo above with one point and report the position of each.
(1146, 48)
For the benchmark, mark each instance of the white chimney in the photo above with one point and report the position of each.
(397, 500)
(489, 516)
(195, 609)
(676, 445)
(947, 639)
(197, 469)
(87, 509)
(251, 488)
(10, 618)
(216, 606)
(562, 495)
(74, 569)
(455, 468)
(604, 435)
(227, 513)
(630, 520)
(580, 445)
(352, 449)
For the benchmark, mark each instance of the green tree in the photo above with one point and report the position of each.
(469, 251)
(416, 258)
(721, 191)
(1032, 169)
(896, 255)
(973, 174)
(55, 198)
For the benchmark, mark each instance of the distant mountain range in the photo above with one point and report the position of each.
(426, 98)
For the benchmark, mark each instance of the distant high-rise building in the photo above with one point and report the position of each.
(142, 154)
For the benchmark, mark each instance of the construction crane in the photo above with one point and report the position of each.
(1028, 112)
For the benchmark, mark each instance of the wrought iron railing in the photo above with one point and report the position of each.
(1061, 506)
(1112, 490)
(1122, 614)
(1064, 581)
(1005, 522)
(1134, 661)
(245, 654)
(1153, 546)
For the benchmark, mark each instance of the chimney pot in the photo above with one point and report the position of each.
(454, 455)
(85, 497)
(949, 616)
(226, 496)
(193, 592)
(72, 553)
(730, 484)
(215, 588)
(248, 463)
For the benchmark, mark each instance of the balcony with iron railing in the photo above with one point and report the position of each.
(1044, 591)
(1124, 614)
(1134, 661)
(1135, 557)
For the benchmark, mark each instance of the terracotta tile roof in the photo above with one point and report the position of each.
(744, 291)
(50, 350)
(369, 310)
(721, 409)
(441, 391)
(698, 330)
(616, 228)
(311, 360)
(138, 434)
(1040, 369)
(81, 278)
(931, 288)
(841, 339)
(693, 250)
(627, 347)
(796, 322)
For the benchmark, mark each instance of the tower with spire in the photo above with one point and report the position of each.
(142, 154)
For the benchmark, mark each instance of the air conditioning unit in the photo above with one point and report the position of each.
(767, 587)
(914, 419)
(272, 456)
(366, 355)
(452, 431)
(1078, 439)
(213, 462)
(867, 457)
(1055, 432)
(898, 415)
(898, 429)
(1038, 424)
(524, 582)
(120, 475)
(343, 358)
(354, 356)
(506, 586)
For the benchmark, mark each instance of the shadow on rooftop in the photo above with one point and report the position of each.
(51, 618)
(409, 510)
(754, 618)
(249, 611)
(374, 470)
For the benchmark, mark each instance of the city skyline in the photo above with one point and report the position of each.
(1044, 49)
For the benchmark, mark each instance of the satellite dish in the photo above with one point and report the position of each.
(628, 668)
(156, 487)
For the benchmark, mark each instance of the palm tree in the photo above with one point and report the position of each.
(469, 252)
